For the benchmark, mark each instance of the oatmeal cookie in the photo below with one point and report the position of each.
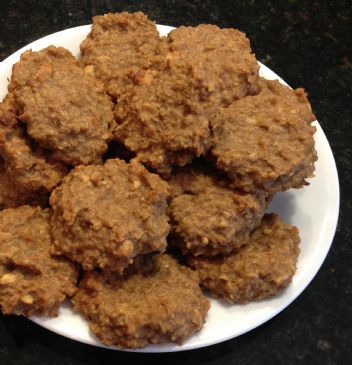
(222, 61)
(106, 215)
(65, 109)
(162, 118)
(29, 167)
(266, 141)
(207, 216)
(32, 282)
(119, 46)
(262, 268)
(166, 305)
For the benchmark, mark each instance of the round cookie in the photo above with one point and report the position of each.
(162, 119)
(29, 167)
(266, 141)
(207, 216)
(105, 215)
(164, 306)
(118, 47)
(262, 268)
(31, 281)
(221, 59)
(66, 110)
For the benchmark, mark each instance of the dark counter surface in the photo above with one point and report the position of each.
(308, 43)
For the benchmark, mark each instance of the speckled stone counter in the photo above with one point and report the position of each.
(308, 44)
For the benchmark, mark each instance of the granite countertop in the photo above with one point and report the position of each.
(308, 44)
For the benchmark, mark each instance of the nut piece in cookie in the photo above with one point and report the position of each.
(266, 141)
(222, 61)
(164, 306)
(106, 215)
(66, 110)
(29, 167)
(118, 47)
(262, 268)
(207, 216)
(31, 281)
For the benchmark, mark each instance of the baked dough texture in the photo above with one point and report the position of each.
(106, 215)
(66, 110)
(119, 46)
(207, 216)
(32, 282)
(164, 306)
(262, 268)
(266, 141)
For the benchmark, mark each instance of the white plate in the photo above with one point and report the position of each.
(314, 210)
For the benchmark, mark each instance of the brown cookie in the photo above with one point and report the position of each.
(221, 59)
(32, 282)
(119, 46)
(164, 306)
(162, 119)
(207, 216)
(66, 110)
(31, 169)
(10, 197)
(266, 141)
(106, 215)
(262, 268)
